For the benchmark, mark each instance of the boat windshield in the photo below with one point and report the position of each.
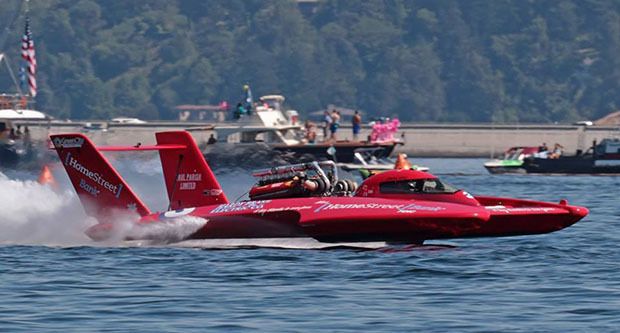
(513, 154)
(432, 185)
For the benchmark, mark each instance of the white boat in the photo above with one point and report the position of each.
(265, 123)
(280, 130)
(367, 163)
(15, 145)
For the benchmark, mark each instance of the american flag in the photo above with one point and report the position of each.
(29, 57)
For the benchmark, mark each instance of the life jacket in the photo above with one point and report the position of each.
(402, 163)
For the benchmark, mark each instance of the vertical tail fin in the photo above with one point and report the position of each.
(189, 180)
(96, 182)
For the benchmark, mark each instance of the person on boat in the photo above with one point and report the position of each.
(557, 151)
(310, 131)
(312, 135)
(248, 99)
(12, 134)
(543, 151)
(335, 123)
(239, 110)
(327, 119)
(356, 123)
(543, 148)
(402, 163)
(27, 138)
(211, 140)
(248, 109)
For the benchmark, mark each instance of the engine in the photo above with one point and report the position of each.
(300, 180)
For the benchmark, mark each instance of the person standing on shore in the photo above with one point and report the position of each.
(356, 123)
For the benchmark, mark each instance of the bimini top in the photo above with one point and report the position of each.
(22, 114)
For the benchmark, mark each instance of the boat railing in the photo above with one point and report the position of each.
(16, 102)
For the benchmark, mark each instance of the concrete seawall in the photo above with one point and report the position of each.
(493, 140)
(446, 140)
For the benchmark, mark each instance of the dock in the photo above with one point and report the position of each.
(421, 140)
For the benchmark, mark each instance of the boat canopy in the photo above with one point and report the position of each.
(19, 114)
(278, 98)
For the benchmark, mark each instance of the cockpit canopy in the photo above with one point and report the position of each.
(395, 181)
(429, 186)
(413, 185)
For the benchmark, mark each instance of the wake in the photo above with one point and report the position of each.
(35, 214)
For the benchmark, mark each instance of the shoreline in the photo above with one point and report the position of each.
(421, 140)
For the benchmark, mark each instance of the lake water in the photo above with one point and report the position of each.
(53, 279)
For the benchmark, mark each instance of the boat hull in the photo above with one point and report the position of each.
(327, 219)
(9, 157)
(504, 166)
(504, 169)
(352, 219)
(572, 165)
(514, 217)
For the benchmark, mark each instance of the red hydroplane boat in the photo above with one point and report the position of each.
(302, 200)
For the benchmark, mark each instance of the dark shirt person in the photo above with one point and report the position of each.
(211, 140)
(27, 135)
(239, 110)
(543, 148)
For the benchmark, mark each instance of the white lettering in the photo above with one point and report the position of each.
(187, 186)
(92, 190)
(520, 209)
(401, 208)
(61, 142)
(94, 176)
(412, 208)
(238, 206)
(189, 177)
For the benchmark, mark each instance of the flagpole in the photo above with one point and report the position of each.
(28, 72)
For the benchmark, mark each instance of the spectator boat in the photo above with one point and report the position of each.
(280, 130)
(512, 161)
(601, 158)
(367, 163)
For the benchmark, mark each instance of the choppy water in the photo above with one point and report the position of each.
(52, 279)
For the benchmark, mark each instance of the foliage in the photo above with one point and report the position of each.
(421, 60)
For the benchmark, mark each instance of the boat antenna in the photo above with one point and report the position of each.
(241, 196)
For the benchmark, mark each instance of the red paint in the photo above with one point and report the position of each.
(195, 184)
(406, 206)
